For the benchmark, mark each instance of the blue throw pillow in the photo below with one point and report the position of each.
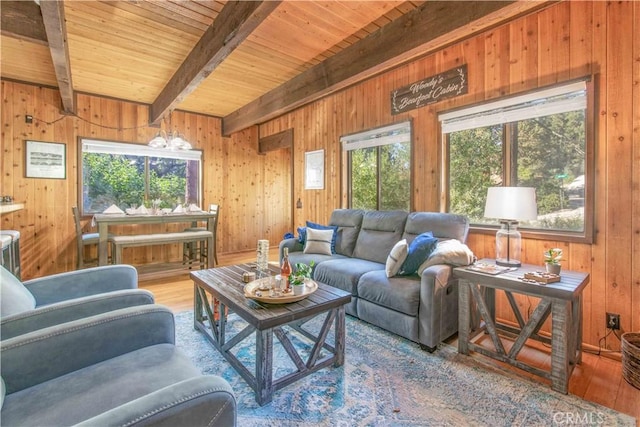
(419, 250)
(326, 227)
(302, 234)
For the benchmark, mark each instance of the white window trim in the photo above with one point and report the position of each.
(392, 134)
(123, 148)
(554, 100)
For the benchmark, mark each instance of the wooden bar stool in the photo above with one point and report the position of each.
(198, 251)
(86, 239)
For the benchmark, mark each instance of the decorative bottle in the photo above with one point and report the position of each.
(262, 261)
(285, 270)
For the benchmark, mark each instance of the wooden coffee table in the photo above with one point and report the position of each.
(218, 291)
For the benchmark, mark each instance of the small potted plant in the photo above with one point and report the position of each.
(297, 278)
(552, 259)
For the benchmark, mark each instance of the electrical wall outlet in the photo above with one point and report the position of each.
(613, 321)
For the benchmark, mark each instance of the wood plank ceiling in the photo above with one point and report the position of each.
(178, 54)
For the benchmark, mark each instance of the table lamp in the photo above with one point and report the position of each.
(510, 205)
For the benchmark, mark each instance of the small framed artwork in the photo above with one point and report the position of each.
(45, 160)
(314, 170)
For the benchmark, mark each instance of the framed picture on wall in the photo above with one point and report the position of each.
(314, 170)
(45, 160)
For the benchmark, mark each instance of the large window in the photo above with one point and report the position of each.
(129, 175)
(539, 140)
(379, 168)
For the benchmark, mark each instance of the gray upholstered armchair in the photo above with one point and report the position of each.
(113, 369)
(51, 300)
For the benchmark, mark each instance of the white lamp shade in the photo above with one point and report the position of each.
(511, 203)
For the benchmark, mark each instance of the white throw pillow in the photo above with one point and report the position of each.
(452, 252)
(396, 257)
(318, 241)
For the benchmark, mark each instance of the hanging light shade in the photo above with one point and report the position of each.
(177, 142)
(158, 141)
(174, 141)
(171, 140)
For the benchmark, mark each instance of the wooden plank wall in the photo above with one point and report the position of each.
(252, 190)
(564, 41)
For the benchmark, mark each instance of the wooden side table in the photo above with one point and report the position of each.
(562, 300)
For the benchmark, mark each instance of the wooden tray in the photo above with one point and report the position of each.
(253, 290)
(542, 277)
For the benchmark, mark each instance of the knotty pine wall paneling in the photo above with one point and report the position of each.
(635, 179)
(564, 41)
(580, 64)
(598, 284)
(619, 107)
(246, 185)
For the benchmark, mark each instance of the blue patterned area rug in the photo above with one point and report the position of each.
(389, 381)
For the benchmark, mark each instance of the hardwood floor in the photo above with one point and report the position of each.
(597, 379)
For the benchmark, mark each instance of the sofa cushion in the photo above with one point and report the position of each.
(344, 273)
(419, 251)
(15, 298)
(380, 231)
(443, 225)
(318, 241)
(396, 258)
(296, 257)
(397, 293)
(349, 222)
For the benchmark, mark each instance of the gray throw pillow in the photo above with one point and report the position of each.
(318, 241)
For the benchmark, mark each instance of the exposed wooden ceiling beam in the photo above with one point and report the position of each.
(427, 28)
(276, 141)
(54, 24)
(236, 21)
(23, 20)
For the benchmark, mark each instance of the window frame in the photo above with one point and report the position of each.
(588, 234)
(357, 137)
(144, 150)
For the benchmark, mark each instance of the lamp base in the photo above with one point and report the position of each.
(508, 263)
(508, 244)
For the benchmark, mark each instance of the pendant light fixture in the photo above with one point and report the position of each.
(171, 140)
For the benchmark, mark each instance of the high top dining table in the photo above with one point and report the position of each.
(103, 221)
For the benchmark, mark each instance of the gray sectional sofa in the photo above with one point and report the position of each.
(422, 308)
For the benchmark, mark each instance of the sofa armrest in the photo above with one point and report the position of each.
(74, 309)
(202, 401)
(440, 274)
(293, 244)
(438, 305)
(48, 353)
(82, 283)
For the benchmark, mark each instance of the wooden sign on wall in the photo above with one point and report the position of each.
(432, 89)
